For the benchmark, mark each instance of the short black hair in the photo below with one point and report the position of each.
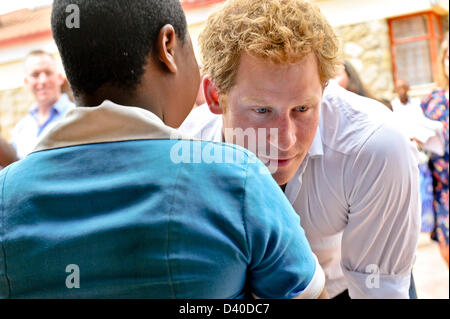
(113, 39)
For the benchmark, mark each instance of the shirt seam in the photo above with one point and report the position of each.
(244, 208)
(169, 268)
(3, 234)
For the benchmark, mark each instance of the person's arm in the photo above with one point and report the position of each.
(7, 153)
(380, 239)
(282, 263)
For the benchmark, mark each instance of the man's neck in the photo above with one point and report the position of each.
(43, 110)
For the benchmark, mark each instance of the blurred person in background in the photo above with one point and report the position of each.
(409, 114)
(348, 78)
(403, 102)
(45, 82)
(435, 107)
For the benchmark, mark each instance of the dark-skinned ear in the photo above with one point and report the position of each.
(166, 45)
(211, 95)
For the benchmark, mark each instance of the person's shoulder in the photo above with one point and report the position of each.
(223, 158)
(387, 141)
(348, 119)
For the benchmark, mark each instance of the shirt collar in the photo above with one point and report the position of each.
(294, 185)
(108, 122)
(59, 107)
(316, 148)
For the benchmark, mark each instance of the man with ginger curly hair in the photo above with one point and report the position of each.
(350, 175)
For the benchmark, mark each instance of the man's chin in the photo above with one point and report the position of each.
(282, 178)
(283, 175)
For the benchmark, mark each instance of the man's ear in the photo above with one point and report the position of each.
(166, 44)
(61, 79)
(211, 95)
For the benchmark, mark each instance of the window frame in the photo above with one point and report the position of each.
(432, 36)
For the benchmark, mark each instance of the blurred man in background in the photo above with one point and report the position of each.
(403, 102)
(44, 80)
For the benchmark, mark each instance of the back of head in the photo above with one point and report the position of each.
(283, 31)
(113, 39)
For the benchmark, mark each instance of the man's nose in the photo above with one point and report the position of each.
(42, 77)
(285, 137)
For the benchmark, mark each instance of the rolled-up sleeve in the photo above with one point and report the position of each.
(380, 239)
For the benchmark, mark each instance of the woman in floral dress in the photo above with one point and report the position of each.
(435, 107)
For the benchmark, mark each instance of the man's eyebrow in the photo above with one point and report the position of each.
(259, 101)
(255, 100)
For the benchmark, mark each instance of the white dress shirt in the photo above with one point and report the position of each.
(357, 194)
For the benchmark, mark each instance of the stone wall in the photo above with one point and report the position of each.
(14, 105)
(367, 47)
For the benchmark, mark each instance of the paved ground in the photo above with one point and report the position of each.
(431, 273)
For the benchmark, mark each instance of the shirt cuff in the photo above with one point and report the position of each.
(377, 286)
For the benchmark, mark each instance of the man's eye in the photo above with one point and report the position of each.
(261, 110)
(302, 108)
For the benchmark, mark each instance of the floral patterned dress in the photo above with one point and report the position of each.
(435, 107)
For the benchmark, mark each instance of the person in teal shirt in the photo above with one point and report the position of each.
(102, 208)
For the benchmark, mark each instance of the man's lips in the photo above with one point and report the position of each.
(42, 91)
(280, 162)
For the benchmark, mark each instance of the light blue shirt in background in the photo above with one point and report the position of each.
(27, 132)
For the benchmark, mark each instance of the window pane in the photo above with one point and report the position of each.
(413, 62)
(410, 27)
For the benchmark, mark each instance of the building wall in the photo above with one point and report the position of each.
(366, 46)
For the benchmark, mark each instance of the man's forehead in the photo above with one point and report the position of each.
(42, 61)
(258, 77)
